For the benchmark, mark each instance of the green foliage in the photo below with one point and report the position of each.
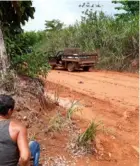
(32, 64)
(58, 123)
(89, 135)
(21, 46)
(91, 18)
(18, 13)
(72, 109)
(128, 8)
(24, 57)
(116, 40)
(22, 43)
(53, 25)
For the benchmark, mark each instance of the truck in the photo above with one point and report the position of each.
(73, 59)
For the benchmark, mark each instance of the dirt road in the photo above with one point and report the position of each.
(119, 89)
(108, 96)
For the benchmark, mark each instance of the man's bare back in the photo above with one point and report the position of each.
(18, 133)
(14, 137)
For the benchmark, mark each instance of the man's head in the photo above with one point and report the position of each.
(7, 104)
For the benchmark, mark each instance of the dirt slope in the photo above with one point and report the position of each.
(108, 96)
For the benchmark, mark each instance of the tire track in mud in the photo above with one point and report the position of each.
(124, 92)
(102, 79)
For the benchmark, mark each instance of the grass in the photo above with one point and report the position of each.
(89, 135)
(72, 109)
(81, 144)
(56, 123)
(59, 122)
(57, 92)
(56, 96)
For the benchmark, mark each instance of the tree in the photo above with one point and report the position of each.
(18, 13)
(12, 15)
(53, 25)
(129, 7)
(91, 17)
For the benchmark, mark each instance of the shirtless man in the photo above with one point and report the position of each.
(14, 148)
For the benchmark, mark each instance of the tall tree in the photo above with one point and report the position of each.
(18, 13)
(53, 25)
(127, 7)
(91, 17)
(12, 15)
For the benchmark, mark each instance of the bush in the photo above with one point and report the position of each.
(33, 64)
(116, 40)
(25, 59)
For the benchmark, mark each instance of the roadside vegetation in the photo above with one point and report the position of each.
(115, 38)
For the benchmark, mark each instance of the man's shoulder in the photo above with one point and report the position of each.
(16, 129)
(17, 124)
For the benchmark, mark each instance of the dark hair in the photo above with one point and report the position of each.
(6, 103)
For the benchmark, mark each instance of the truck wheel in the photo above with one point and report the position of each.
(86, 68)
(71, 67)
(52, 67)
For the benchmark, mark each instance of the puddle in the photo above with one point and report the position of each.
(86, 113)
(65, 102)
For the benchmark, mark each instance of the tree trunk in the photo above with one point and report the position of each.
(4, 64)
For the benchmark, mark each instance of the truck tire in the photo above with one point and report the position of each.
(52, 67)
(70, 67)
(86, 68)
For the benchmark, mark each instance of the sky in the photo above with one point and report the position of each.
(66, 11)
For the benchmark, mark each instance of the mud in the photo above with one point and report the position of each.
(109, 97)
